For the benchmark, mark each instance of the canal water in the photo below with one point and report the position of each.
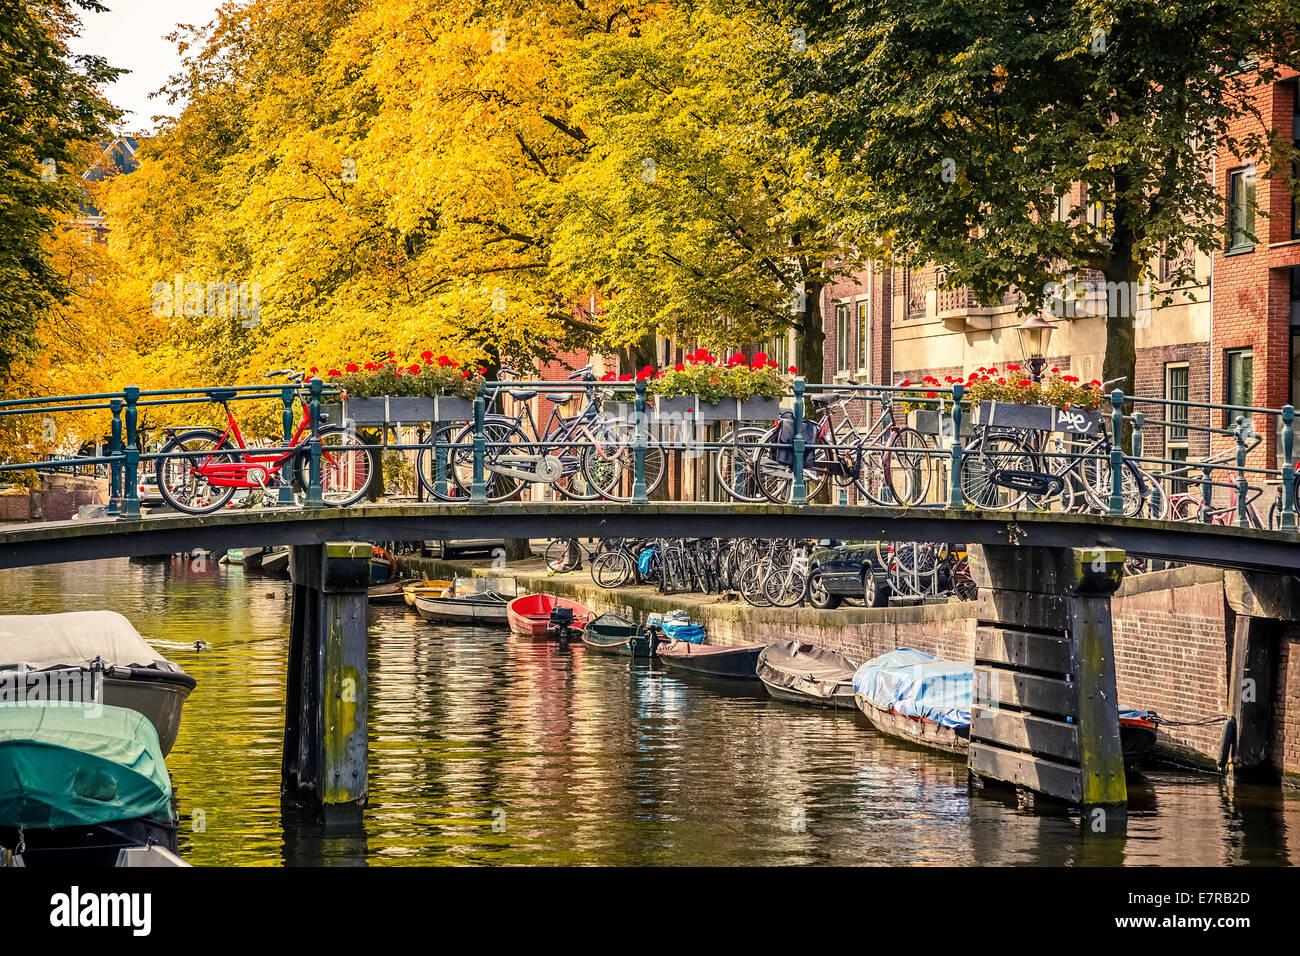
(490, 750)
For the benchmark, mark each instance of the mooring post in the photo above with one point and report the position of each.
(115, 453)
(1242, 484)
(1044, 714)
(799, 490)
(325, 728)
(1117, 454)
(131, 480)
(314, 497)
(954, 477)
(638, 446)
(1207, 494)
(1288, 522)
(478, 490)
(286, 424)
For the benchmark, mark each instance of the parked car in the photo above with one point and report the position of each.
(446, 547)
(844, 570)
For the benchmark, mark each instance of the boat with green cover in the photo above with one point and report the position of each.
(81, 782)
(611, 634)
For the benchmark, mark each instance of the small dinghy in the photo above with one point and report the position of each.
(383, 566)
(429, 589)
(531, 615)
(82, 785)
(611, 634)
(386, 594)
(275, 562)
(711, 660)
(79, 655)
(475, 601)
(806, 674)
(253, 558)
(926, 700)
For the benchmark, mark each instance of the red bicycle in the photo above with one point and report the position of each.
(207, 468)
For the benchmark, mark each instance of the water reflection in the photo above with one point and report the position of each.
(488, 749)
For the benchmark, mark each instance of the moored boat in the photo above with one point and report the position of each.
(480, 601)
(413, 589)
(611, 634)
(926, 700)
(385, 594)
(275, 562)
(82, 785)
(530, 615)
(253, 558)
(712, 660)
(802, 673)
(383, 566)
(91, 657)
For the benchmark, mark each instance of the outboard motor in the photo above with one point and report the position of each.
(560, 625)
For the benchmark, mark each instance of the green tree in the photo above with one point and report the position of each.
(951, 129)
(49, 112)
(690, 213)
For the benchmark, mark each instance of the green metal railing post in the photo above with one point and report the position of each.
(954, 478)
(1117, 454)
(131, 480)
(638, 446)
(478, 490)
(799, 491)
(286, 422)
(1242, 484)
(1207, 494)
(314, 497)
(1288, 522)
(115, 451)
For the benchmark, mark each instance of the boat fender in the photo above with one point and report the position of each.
(1228, 743)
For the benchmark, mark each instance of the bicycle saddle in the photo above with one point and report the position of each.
(559, 398)
(521, 394)
(824, 396)
(221, 394)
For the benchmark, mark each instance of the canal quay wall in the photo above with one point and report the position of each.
(57, 499)
(1172, 630)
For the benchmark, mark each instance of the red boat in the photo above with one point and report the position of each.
(530, 615)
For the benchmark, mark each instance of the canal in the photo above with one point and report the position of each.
(486, 749)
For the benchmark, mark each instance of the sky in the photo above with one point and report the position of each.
(130, 34)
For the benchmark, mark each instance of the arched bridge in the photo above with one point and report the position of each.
(1237, 548)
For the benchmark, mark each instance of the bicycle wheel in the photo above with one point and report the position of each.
(613, 569)
(179, 481)
(505, 446)
(750, 584)
(734, 463)
(563, 555)
(1097, 487)
(785, 588)
(609, 463)
(869, 478)
(433, 465)
(775, 475)
(345, 468)
(908, 465)
(993, 453)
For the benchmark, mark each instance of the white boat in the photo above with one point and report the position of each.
(90, 657)
(470, 601)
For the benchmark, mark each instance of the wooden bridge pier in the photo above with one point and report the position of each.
(1261, 603)
(1044, 713)
(325, 724)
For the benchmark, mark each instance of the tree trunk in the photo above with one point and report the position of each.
(810, 336)
(633, 358)
(1122, 274)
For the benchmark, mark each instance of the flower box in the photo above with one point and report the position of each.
(684, 408)
(930, 421)
(1045, 418)
(388, 409)
(331, 413)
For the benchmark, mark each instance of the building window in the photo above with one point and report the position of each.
(864, 337)
(1241, 209)
(778, 350)
(843, 336)
(1176, 390)
(1240, 380)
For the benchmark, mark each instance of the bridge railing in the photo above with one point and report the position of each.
(873, 411)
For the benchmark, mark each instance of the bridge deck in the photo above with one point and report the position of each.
(84, 540)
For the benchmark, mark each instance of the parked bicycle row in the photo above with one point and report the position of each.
(773, 572)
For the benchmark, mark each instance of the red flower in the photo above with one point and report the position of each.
(1055, 370)
(1024, 383)
(760, 359)
(609, 376)
(906, 382)
(414, 370)
(371, 366)
(392, 354)
(793, 370)
(679, 367)
(333, 373)
(464, 373)
(644, 374)
(772, 364)
(625, 377)
(736, 359)
(443, 361)
(427, 356)
(931, 394)
(710, 359)
(482, 370)
(1013, 368)
(991, 371)
(1095, 382)
(1069, 378)
(313, 369)
(930, 380)
(351, 367)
